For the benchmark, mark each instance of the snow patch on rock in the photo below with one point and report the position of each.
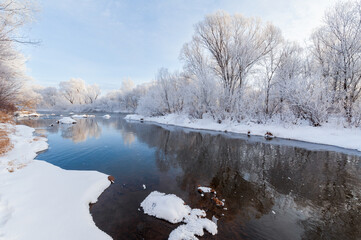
(67, 120)
(205, 189)
(173, 209)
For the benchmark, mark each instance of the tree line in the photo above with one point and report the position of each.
(76, 95)
(235, 67)
(243, 69)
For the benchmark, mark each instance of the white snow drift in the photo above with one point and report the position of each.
(42, 201)
(173, 209)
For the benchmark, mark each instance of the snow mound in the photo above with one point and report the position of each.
(67, 120)
(173, 209)
(106, 116)
(165, 206)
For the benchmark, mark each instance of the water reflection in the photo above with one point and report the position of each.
(271, 191)
(82, 130)
(79, 132)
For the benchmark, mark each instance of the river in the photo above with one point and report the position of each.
(276, 189)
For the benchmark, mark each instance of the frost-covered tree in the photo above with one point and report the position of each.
(234, 45)
(167, 95)
(337, 49)
(28, 97)
(125, 99)
(269, 67)
(51, 98)
(77, 92)
(92, 93)
(13, 15)
(204, 90)
(12, 75)
(301, 91)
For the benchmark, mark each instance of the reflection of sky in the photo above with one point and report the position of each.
(97, 147)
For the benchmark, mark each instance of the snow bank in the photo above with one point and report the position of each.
(24, 150)
(24, 114)
(82, 116)
(106, 116)
(78, 116)
(328, 134)
(66, 120)
(39, 200)
(173, 209)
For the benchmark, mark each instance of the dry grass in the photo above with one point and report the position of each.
(5, 144)
(5, 118)
(12, 166)
(38, 138)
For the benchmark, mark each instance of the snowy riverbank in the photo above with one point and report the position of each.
(41, 201)
(329, 134)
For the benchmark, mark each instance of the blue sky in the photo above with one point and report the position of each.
(105, 41)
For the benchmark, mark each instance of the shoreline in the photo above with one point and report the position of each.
(39, 200)
(335, 136)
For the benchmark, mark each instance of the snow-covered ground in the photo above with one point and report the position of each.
(328, 134)
(41, 201)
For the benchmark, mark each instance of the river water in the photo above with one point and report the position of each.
(276, 189)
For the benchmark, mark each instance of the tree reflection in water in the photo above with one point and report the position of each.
(272, 191)
(82, 130)
(314, 194)
(79, 132)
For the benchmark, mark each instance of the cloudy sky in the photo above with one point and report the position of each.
(105, 41)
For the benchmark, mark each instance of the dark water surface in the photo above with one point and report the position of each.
(272, 189)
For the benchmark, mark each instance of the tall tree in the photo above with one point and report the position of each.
(234, 45)
(337, 48)
(13, 15)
